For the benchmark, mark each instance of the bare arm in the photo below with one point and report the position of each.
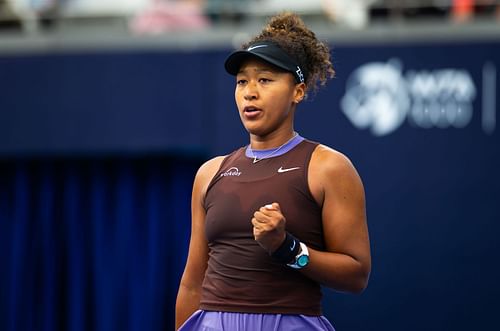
(346, 263)
(188, 296)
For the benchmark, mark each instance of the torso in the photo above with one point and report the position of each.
(240, 275)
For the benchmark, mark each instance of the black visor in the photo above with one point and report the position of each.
(269, 52)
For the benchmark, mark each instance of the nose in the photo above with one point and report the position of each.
(250, 92)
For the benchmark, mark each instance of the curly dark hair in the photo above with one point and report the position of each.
(297, 40)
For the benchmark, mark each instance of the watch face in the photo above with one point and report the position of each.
(303, 260)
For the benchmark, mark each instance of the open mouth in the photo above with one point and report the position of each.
(251, 111)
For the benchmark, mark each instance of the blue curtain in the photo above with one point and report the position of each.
(93, 244)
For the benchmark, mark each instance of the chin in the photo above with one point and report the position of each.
(251, 128)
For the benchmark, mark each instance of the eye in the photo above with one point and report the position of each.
(264, 80)
(240, 81)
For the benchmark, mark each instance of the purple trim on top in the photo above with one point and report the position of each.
(269, 153)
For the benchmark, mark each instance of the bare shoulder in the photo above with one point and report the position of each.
(328, 161)
(210, 167)
(205, 174)
(330, 169)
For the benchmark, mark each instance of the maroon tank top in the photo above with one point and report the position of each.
(241, 276)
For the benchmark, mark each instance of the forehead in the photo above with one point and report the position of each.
(253, 64)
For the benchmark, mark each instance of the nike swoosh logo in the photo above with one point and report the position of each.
(293, 246)
(254, 47)
(281, 169)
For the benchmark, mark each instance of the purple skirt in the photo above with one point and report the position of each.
(225, 321)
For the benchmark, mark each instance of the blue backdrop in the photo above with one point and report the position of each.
(99, 150)
(92, 244)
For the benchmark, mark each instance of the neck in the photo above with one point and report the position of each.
(272, 140)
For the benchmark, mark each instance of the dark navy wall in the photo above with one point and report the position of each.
(101, 102)
(425, 143)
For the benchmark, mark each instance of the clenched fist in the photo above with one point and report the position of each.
(269, 227)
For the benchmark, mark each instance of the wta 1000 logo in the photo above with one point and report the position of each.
(380, 97)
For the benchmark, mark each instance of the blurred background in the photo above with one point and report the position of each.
(107, 109)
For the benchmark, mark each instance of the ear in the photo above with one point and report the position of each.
(299, 93)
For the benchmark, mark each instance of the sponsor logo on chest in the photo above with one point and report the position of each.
(233, 171)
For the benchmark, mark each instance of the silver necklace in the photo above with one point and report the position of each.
(255, 159)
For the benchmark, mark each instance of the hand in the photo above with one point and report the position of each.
(269, 227)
